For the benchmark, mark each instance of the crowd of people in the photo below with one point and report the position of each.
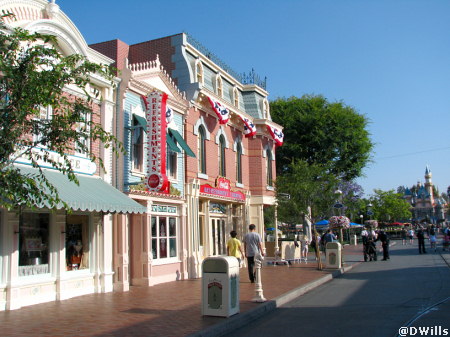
(252, 243)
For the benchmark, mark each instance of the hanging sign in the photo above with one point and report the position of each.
(156, 179)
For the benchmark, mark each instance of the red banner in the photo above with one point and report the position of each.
(156, 179)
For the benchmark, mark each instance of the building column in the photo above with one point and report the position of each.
(120, 257)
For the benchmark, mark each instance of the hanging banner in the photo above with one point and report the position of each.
(221, 112)
(249, 127)
(277, 135)
(156, 179)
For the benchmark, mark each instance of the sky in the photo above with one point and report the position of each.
(388, 59)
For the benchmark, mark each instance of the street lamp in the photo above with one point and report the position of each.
(362, 218)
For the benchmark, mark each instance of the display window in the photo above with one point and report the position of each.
(164, 237)
(34, 243)
(77, 242)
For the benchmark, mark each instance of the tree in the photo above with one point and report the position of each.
(390, 206)
(331, 135)
(34, 78)
(325, 144)
(306, 185)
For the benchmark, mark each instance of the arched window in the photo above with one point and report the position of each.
(202, 149)
(222, 163)
(219, 86)
(266, 111)
(269, 168)
(239, 163)
(199, 71)
(236, 97)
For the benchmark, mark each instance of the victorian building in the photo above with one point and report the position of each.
(51, 254)
(229, 176)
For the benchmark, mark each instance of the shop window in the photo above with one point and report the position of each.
(164, 237)
(77, 242)
(171, 164)
(222, 162)
(239, 162)
(202, 149)
(33, 243)
(137, 152)
(269, 168)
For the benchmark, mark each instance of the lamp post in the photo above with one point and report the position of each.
(362, 219)
(369, 211)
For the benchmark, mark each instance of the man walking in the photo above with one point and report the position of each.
(252, 245)
(421, 239)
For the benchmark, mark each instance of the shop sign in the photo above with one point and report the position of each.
(222, 189)
(80, 165)
(164, 209)
(155, 106)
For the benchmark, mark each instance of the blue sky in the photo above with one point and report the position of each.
(389, 59)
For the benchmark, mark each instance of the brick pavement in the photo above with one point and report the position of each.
(170, 309)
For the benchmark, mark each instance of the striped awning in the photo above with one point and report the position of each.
(92, 194)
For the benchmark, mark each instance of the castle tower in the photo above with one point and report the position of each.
(429, 184)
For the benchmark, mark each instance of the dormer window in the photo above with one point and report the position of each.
(266, 109)
(219, 86)
(199, 72)
(236, 97)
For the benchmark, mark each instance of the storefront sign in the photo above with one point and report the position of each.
(222, 189)
(164, 209)
(79, 164)
(156, 179)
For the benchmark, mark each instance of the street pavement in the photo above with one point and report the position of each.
(375, 299)
(174, 308)
(169, 309)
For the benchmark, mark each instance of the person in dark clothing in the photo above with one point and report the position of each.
(421, 238)
(384, 238)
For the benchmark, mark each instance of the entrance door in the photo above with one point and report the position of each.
(218, 242)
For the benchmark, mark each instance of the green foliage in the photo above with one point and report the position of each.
(35, 77)
(269, 216)
(330, 135)
(307, 185)
(390, 206)
(325, 144)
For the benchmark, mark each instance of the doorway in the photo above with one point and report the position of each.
(218, 231)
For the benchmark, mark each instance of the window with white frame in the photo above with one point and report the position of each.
(219, 86)
(164, 237)
(77, 242)
(45, 115)
(236, 97)
(171, 164)
(202, 149)
(222, 161)
(269, 167)
(34, 240)
(239, 162)
(199, 72)
(137, 147)
(83, 129)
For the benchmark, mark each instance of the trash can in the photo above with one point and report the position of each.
(353, 240)
(333, 255)
(220, 286)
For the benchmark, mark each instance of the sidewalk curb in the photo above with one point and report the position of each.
(242, 319)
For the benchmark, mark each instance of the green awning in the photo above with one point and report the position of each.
(93, 194)
(172, 144)
(141, 121)
(182, 142)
